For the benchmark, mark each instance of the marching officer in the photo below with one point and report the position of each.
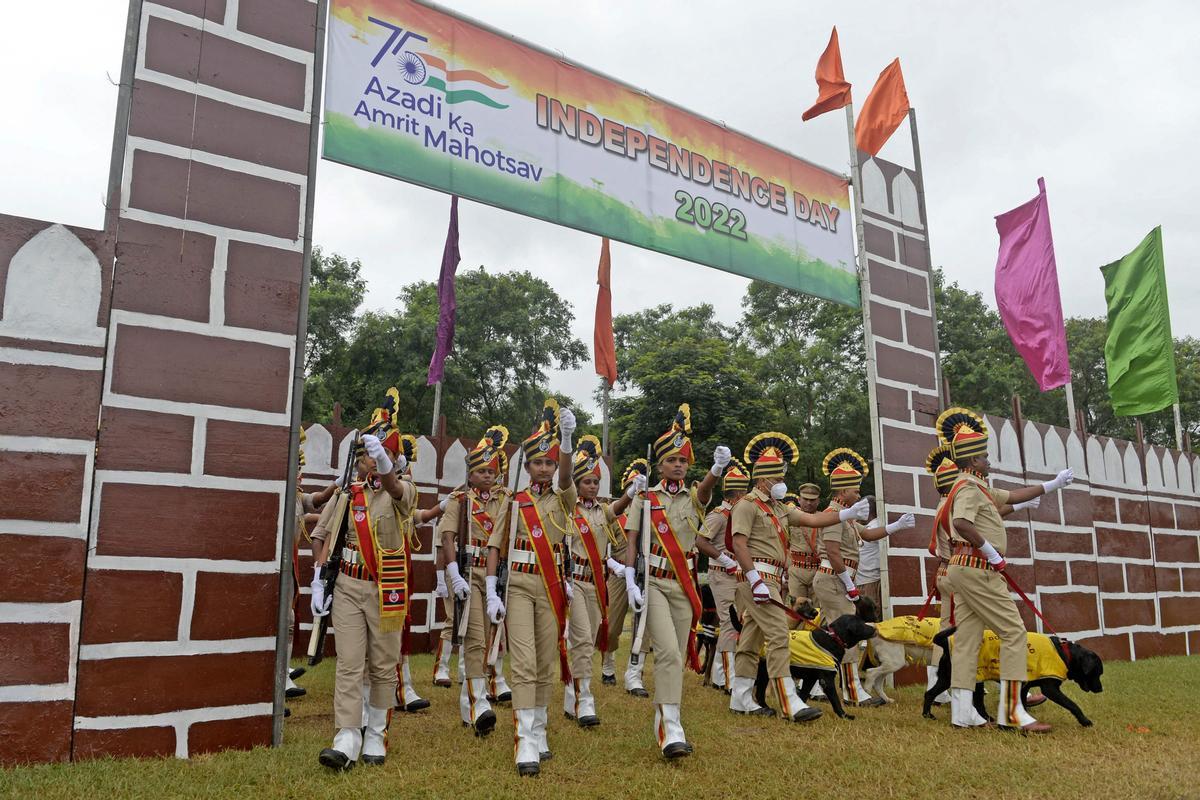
(981, 595)
(803, 550)
(538, 594)
(481, 509)
(618, 600)
(760, 542)
(589, 605)
(718, 530)
(672, 599)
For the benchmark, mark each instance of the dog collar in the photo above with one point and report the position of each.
(829, 629)
(1063, 650)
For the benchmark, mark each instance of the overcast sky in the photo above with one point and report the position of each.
(1097, 97)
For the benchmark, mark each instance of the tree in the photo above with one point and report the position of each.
(335, 291)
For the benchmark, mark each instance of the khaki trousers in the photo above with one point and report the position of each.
(479, 627)
(583, 626)
(668, 627)
(361, 646)
(831, 599)
(945, 588)
(532, 641)
(981, 600)
(618, 606)
(762, 623)
(448, 628)
(800, 583)
(724, 588)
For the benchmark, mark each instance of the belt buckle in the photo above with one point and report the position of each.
(349, 555)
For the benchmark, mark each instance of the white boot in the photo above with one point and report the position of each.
(474, 708)
(608, 669)
(962, 710)
(374, 747)
(585, 703)
(407, 696)
(570, 709)
(718, 671)
(633, 677)
(291, 690)
(741, 698)
(852, 688)
(669, 731)
(931, 681)
(441, 673)
(526, 749)
(346, 747)
(1012, 713)
(540, 735)
(501, 693)
(794, 709)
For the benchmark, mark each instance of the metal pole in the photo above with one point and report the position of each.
(437, 408)
(604, 407)
(864, 283)
(916, 146)
(1178, 428)
(1072, 417)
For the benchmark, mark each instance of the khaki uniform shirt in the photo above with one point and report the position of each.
(761, 532)
(496, 505)
(683, 510)
(391, 518)
(847, 535)
(943, 538)
(598, 516)
(552, 505)
(715, 525)
(803, 539)
(971, 504)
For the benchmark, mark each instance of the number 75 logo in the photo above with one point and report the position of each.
(395, 41)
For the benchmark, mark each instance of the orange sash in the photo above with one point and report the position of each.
(362, 527)
(669, 542)
(593, 555)
(942, 519)
(482, 519)
(551, 578)
(388, 568)
(766, 509)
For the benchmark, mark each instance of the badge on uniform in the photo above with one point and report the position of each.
(536, 532)
(583, 528)
(662, 527)
(487, 526)
(359, 516)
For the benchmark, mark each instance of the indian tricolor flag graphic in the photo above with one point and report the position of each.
(459, 85)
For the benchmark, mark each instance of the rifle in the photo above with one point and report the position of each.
(641, 568)
(333, 565)
(464, 526)
(502, 564)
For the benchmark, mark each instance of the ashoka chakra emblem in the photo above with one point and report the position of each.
(412, 68)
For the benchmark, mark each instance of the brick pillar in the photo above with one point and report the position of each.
(903, 335)
(190, 494)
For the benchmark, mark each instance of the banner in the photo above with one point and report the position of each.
(419, 94)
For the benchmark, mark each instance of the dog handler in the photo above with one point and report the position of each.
(718, 529)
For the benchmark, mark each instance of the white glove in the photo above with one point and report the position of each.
(848, 582)
(758, 587)
(495, 608)
(859, 511)
(401, 463)
(1034, 503)
(383, 462)
(905, 522)
(636, 601)
(569, 588)
(721, 456)
(1060, 480)
(724, 561)
(636, 486)
(566, 428)
(993, 557)
(616, 566)
(461, 588)
(320, 603)
(342, 482)
(442, 505)
(440, 589)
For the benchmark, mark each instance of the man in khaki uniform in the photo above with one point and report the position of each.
(760, 542)
(444, 648)
(718, 530)
(486, 506)
(839, 543)
(636, 474)
(538, 592)
(589, 604)
(370, 597)
(803, 551)
(981, 594)
(672, 600)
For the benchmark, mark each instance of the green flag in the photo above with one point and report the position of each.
(1139, 351)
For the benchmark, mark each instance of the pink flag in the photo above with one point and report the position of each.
(1027, 291)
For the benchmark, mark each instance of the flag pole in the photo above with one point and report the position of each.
(437, 407)
(1071, 415)
(605, 389)
(1178, 428)
(864, 282)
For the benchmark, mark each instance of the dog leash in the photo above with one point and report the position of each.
(928, 601)
(1028, 602)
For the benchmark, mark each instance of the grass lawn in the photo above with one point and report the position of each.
(1145, 744)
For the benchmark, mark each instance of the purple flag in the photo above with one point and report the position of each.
(447, 305)
(1027, 291)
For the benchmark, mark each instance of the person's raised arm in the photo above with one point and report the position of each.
(721, 456)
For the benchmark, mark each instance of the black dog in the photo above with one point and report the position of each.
(835, 638)
(1083, 666)
(706, 639)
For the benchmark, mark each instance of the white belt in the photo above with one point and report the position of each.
(516, 556)
(768, 569)
(350, 556)
(474, 551)
(579, 569)
(661, 562)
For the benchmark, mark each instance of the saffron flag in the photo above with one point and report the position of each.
(1139, 350)
(884, 110)
(1027, 291)
(603, 347)
(833, 91)
(447, 304)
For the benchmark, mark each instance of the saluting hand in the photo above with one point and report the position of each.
(859, 511)
(721, 456)
(906, 521)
